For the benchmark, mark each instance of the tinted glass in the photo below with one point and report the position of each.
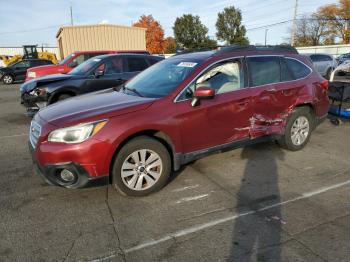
(21, 64)
(85, 67)
(114, 66)
(136, 64)
(315, 58)
(153, 60)
(298, 69)
(162, 78)
(286, 74)
(62, 62)
(264, 70)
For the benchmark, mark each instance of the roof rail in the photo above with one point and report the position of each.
(187, 51)
(276, 48)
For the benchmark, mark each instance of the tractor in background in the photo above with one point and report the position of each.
(29, 52)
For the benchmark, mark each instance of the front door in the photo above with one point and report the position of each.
(107, 75)
(220, 120)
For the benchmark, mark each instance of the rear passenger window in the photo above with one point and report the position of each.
(286, 74)
(298, 69)
(264, 70)
(137, 64)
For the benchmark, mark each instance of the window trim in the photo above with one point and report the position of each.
(242, 58)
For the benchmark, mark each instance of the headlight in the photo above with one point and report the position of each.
(76, 134)
(32, 74)
(41, 91)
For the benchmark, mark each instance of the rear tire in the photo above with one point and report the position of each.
(8, 79)
(298, 129)
(142, 166)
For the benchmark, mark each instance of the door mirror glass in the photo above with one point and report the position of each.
(98, 73)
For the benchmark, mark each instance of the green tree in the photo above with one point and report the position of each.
(190, 33)
(229, 27)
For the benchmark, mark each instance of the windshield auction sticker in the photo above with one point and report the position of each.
(187, 64)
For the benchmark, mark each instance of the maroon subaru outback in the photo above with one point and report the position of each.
(181, 109)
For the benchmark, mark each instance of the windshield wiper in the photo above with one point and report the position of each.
(132, 90)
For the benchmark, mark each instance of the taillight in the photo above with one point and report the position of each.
(324, 84)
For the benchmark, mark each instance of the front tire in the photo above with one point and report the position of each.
(298, 129)
(142, 166)
(8, 79)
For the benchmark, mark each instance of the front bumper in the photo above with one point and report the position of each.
(51, 173)
(33, 102)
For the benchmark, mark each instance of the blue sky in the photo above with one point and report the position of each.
(37, 21)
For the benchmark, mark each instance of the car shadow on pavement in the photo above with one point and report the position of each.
(258, 234)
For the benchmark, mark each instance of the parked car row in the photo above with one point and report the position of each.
(97, 73)
(173, 112)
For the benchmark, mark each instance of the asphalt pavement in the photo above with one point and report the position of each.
(258, 203)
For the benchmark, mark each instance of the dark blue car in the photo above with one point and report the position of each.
(97, 73)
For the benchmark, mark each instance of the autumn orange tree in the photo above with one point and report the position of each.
(154, 33)
(337, 17)
(170, 45)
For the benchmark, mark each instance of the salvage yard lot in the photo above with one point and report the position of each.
(256, 202)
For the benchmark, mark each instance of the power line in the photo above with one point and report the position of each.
(31, 30)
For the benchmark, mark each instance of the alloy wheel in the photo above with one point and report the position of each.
(8, 79)
(141, 169)
(300, 130)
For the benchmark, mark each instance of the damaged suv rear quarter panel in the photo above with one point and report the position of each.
(274, 103)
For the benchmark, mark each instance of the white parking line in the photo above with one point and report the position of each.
(3, 137)
(186, 199)
(212, 223)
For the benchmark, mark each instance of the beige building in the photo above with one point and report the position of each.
(100, 37)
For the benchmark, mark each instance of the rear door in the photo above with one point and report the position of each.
(275, 90)
(134, 65)
(268, 94)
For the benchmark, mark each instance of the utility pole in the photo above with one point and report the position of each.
(294, 26)
(266, 35)
(71, 15)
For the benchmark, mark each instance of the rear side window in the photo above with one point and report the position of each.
(298, 69)
(152, 60)
(136, 64)
(286, 74)
(114, 66)
(264, 70)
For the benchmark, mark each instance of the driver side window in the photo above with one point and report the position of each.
(223, 77)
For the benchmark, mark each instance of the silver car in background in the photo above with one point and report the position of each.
(323, 63)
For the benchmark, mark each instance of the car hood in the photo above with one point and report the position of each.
(46, 69)
(30, 85)
(92, 107)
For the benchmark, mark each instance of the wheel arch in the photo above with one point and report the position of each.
(159, 135)
(54, 96)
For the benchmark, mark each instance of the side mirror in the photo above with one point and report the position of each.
(98, 73)
(202, 93)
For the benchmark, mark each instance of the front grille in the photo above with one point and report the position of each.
(34, 133)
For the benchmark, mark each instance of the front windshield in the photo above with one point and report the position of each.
(162, 78)
(85, 67)
(62, 62)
